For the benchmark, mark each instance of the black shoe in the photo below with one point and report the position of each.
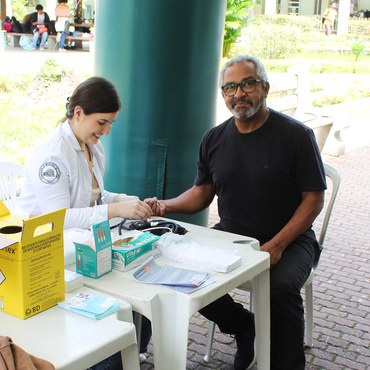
(244, 356)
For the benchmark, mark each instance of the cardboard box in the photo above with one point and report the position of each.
(94, 258)
(72, 280)
(133, 248)
(31, 262)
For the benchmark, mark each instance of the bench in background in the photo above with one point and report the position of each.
(290, 94)
(14, 38)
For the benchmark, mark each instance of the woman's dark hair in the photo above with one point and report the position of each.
(62, 1)
(95, 95)
(7, 19)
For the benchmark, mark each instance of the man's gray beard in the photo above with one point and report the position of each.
(245, 114)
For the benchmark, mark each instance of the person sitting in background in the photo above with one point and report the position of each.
(62, 12)
(67, 170)
(39, 21)
(8, 24)
(17, 27)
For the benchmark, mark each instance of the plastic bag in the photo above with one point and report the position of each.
(25, 43)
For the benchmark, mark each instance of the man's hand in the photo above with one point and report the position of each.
(158, 208)
(274, 251)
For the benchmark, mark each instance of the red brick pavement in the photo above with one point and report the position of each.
(341, 287)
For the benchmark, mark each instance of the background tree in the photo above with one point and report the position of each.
(237, 13)
(20, 8)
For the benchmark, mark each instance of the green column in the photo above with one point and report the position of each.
(163, 56)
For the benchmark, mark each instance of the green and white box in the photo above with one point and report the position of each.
(94, 258)
(132, 248)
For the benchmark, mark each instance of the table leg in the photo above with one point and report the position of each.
(130, 360)
(170, 325)
(261, 294)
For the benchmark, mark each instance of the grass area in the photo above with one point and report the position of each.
(32, 105)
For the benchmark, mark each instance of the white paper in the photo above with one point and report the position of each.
(151, 273)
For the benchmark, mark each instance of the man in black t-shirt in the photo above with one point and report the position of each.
(267, 173)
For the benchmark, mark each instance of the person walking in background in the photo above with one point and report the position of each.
(62, 13)
(266, 170)
(39, 21)
(329, 15)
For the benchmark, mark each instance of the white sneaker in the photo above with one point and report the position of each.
(41, 48)
(62, 50)
(142, 358)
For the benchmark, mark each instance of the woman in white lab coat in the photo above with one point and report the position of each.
(67, 170)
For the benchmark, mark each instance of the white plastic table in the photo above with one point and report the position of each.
(74, 342)
(170, 310)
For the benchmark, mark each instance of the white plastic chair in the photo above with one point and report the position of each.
(334, 176)
(11, 174)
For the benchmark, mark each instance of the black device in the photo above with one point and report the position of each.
(157, 227)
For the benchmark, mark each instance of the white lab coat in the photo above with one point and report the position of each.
(58, 176)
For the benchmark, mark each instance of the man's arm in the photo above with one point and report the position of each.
(191, 201)
(310, 207)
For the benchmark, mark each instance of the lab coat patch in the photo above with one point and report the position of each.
(49, 173)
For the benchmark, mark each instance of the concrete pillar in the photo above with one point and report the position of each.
(164, 58)
(270, 7)
(2, 9)
(343, 17)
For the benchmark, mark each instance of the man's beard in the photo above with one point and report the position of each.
(243, 114)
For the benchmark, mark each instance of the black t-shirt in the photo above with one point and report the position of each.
(259, 177)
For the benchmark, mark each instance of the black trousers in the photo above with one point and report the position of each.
(287, 314)
(114, 362)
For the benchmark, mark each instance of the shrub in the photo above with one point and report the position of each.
(51, 71)
(303, 23)
(269, 41)
(359, 26)
(237, 12)
(357, 48)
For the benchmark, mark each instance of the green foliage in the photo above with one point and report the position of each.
(51, 71)
(236, 17)
(19, 8)
(28, 120)
(303, 23)
(331, 99)
(270, 41)
(359, 26)
(357, 47)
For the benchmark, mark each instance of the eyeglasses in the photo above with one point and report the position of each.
(247, 86)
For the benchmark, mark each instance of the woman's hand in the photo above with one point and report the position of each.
(136, 209)
(158, 208)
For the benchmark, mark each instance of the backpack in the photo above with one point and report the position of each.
(51, 28)
(17, 27)
(8, 27)
(27, 23)
(25, 43)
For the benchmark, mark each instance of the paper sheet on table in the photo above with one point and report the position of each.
(180, 248)
(191, 289)
(151, 273)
